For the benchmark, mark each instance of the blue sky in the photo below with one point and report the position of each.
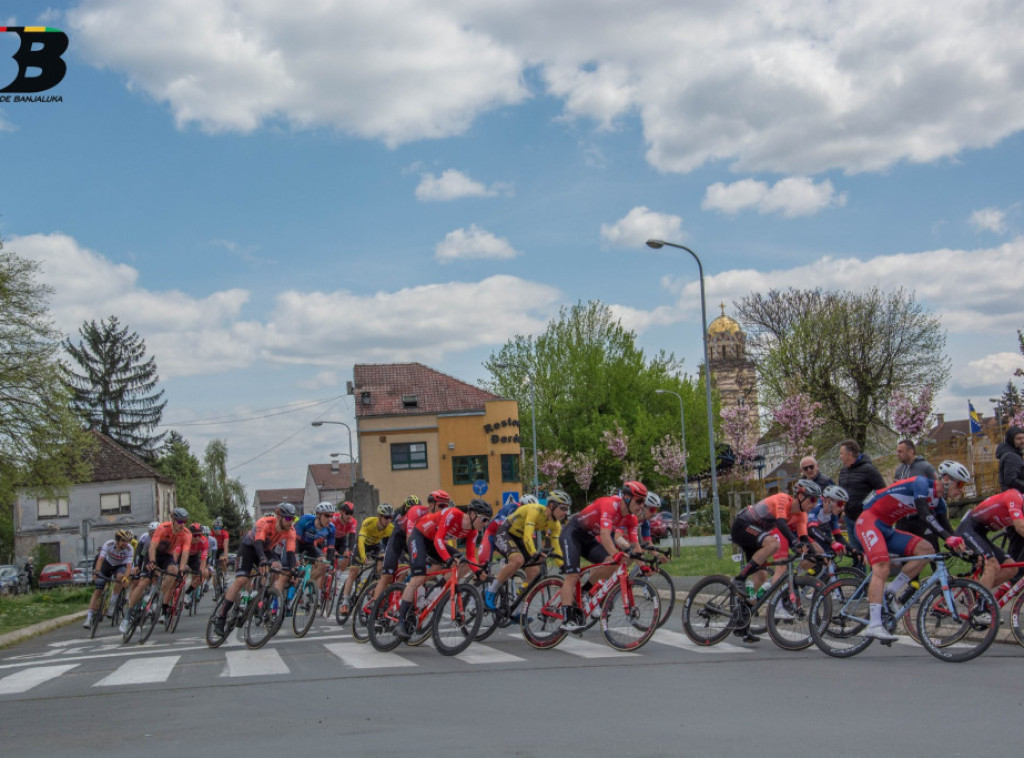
(271, 192)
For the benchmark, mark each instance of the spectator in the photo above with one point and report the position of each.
(859, 478)
(1011, 461)
(30, 570)
(911, 464)
(809, 470)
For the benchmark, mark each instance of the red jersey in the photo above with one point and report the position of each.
(444, 524)
(266, 530)
(605, 513)
(351, 526)
(999, 511)
(412, 516)
(199, 546)
(167, 541)
(221, 535)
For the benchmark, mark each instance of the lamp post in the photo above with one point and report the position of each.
(686, 474)
(533, 422)
(351, 451)
(715, 506)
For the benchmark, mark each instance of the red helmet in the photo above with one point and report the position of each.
(440, 497)
(347, 507)
(634, 491)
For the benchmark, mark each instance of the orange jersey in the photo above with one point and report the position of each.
(167, 541)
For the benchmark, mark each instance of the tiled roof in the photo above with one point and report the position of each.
(273, 497)
(325, 478)
(111, 462)
(386, 389)
(943, 432)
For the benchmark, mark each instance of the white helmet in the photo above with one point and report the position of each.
(956, 471)
(325, 507)
(653, 501)
(835, 492)
(154, 525)
(528, 500)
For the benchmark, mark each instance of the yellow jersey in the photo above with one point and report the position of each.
(371, 534)
(527, 519)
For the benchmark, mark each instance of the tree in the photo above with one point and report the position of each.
(589, 376)
(797, 415)
(848, 351)
(910, 415)
(114, 392)
(42, 444)
(1009, 406)
(177, 461)
(225, 496)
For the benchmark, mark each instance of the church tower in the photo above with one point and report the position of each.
(732, 372)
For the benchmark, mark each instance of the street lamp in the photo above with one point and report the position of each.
(351, 451)
(715, 507)
(533, 421)
(686, 475)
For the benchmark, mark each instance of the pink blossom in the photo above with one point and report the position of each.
(669, 459)
(797, 415)
(909, 417)
(617, 442)
(550, 464)
(738, 432)
(583, 467)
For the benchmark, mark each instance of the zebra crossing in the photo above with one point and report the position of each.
(107, 669)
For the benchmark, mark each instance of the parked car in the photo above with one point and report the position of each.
(659, 526)
(83, 571)
(13, 580)
(55, 575)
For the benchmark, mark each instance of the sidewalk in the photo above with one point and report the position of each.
(42, 627)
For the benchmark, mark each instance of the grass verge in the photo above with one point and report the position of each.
(701, 561)
(19, 611)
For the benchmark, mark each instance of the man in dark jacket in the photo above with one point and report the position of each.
(809, 470)
(859, 478)
(1011, 462)
(911, 464)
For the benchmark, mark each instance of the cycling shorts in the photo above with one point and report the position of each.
(880, 539)
(248, 559)
(749, 535)
(193, 563)
(975, 534)
(421, 550)
(394, 552)
(508, 544)
(308, 549)
(163, 562)
(108, 572)
(577, 542)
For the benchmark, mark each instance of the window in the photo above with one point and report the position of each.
(52, 507)
(466, 469)
(407, 455)
(410, 401)
(509, 467)
(116, 502)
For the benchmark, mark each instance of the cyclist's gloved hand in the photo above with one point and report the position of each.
(955, 543)
(837, 548)
(450, 562)
(619, 557)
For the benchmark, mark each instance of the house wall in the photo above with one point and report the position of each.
(150, 500)
(480, 434)
(377, 434)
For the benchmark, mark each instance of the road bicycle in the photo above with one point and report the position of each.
(451, 613)
(144, 615)
(363, 604)
(264, 619)
(510, 596)
(649, 568)
(177, 603)
(367, 576)
(957, 618)
(106, 602)
(238, 614)
(303, 605)
(629, 609)
(717, 605)
(219, 581)
(328, 591)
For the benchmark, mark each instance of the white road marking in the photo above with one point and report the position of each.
(365, 657)
(262, 662)
(24, 680)
(477, 654)
(141, 671)
(681, 641)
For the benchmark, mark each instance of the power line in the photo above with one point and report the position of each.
(217, 420)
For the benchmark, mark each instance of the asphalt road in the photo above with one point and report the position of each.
(65, 695)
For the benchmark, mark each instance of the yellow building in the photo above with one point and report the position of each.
(420, 430)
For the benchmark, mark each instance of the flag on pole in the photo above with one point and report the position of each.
(975, 420)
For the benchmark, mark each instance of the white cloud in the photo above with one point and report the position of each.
(640, 225)
(996, 368)
(989, 219)
(321, 380)
(473, 243)
(793, 196)
(452, 185)
(774, 85)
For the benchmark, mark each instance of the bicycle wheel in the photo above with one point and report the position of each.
(117, 612)
(630, 630)
(541, 614)
(712, 609)
(788, 617)
(666, 590)
(361, 615)
(961, 632)
(97, 617)
(304, 610)
(150, 617)
(838, 614)
(134, 616)
(1016, 621)
(490, 620)
(213, 639)
(456, 619)
(266, 618)
(384, 618)
(177, 606)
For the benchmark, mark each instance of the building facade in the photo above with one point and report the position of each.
(421, 430)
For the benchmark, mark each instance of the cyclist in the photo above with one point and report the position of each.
(168, 551)
(876, 531)
(1002, 511)
(589, 534)
(487, 539)
(516, 538)
(823, 521)
(652, 505)
(428, 542)
(114, 559)
(345, 528)
(314, 535)
(220, 534)
(271, 542)
(373, 532)
(142, 551)
(198, 561)
(766, 529)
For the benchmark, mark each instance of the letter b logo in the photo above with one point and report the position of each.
(41, 48)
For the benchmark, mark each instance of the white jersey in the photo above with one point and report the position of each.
(117, 556)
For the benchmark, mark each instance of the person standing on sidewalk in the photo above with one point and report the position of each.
(859, 478)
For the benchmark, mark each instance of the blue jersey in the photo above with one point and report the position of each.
(900, 499)
(307, 532)
(818, 517)
(506, 510)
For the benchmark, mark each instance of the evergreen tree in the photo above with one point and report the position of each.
(1009, 405)
(115, 391)
(177, 461)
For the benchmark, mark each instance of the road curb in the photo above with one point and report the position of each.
(11, 638)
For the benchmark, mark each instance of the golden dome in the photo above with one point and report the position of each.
(723, 324)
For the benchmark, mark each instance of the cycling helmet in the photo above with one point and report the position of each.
(218, 523)
(285, 509)
(559, 497)
(528, 500)
(653, 502)
(835, 492)
(206, 531)
(476, 505)
(439, 496)
(323, 508)
(153, 526)
(956, 471)
(809, 488)
(634, 491)
(123, 534)
(347, 507)
(411, 501)
(386, 510)
(179, 514)
(195, 528)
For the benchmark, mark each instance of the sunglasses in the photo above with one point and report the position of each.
(185, 521)
(808, 468)
(288, 519)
